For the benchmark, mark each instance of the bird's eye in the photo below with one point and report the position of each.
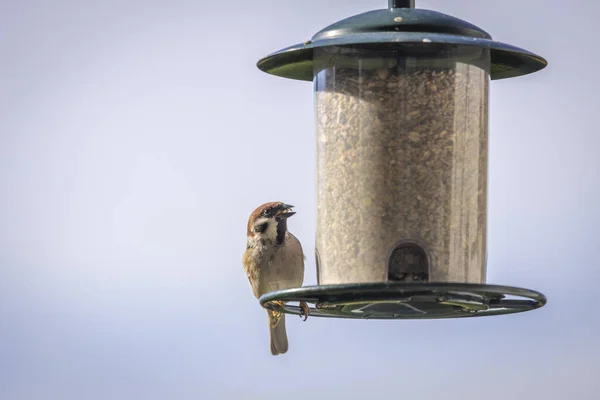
(266, 212)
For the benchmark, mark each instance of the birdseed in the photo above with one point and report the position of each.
(402, 164)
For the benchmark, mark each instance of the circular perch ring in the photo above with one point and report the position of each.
(405, 300)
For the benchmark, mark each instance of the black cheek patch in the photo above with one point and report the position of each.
(261, 228)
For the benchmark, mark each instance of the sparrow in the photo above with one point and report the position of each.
(274, 260)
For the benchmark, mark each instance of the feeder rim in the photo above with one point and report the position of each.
(450, 300)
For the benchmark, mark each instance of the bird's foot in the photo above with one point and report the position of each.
(276, 315)
(305, 310)
(281, 307)
(280, 303)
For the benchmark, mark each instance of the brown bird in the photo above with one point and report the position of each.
(274, 260)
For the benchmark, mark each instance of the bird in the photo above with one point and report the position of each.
(274, 260)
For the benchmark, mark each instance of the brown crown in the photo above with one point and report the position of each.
(257, 212)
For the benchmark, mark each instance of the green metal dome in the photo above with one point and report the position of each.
(401, 26)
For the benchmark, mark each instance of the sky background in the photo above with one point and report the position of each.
(137, 136)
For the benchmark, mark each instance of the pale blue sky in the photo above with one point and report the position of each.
(137, 136)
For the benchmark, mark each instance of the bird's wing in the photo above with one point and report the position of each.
(297, 242)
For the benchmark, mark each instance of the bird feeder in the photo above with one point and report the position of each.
(401, 102)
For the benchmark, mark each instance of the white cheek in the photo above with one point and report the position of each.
(270, 233)
(261, 221)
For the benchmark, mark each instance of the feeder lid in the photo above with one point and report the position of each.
(397, 27)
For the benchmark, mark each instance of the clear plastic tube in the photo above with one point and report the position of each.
(402, 150)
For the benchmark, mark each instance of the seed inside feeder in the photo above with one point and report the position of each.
(401, 158)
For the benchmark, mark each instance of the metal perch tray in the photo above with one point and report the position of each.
(405, 300)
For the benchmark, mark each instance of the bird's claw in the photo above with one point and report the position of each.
(281, 305)
(305, 310)
(276, 314)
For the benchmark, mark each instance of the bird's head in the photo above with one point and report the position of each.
(269, 222)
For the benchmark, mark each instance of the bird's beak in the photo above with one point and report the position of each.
(285, 211)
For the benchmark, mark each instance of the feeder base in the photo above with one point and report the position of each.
(391, 300)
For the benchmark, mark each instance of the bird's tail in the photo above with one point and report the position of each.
(278, 334)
